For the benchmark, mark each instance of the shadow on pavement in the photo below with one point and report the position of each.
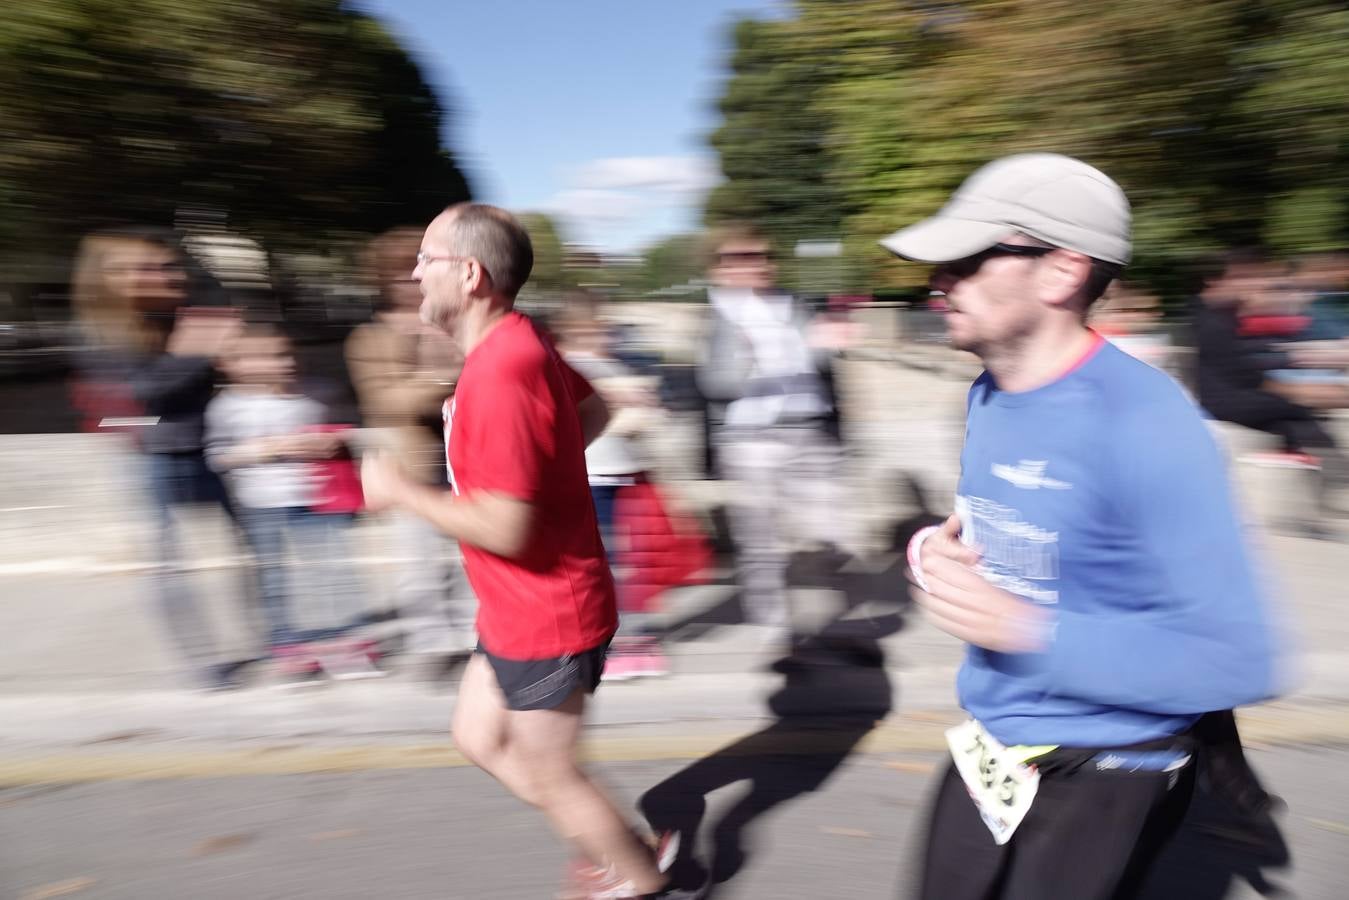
(859, 581)
(835, 691)
(823, 709)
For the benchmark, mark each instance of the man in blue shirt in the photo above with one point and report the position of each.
(1094, 564)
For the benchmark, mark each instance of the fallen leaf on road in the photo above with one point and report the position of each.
(845, 832)
(59, 889)
(336, 835)
(222, 843)
(121, 737)
(1337, 827)
(921, 768)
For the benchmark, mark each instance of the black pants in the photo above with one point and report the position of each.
(1298, 426)
(1090, 835)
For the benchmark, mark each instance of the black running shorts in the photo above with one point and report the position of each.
(546, 683)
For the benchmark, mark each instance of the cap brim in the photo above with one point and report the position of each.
(940, 239)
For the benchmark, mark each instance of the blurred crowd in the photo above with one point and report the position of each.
(1263, 345)
(228, 407)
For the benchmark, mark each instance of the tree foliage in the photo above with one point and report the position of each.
(772, 141)
(302, 120)
(673, 262)
(550, 272)
(1224, 120)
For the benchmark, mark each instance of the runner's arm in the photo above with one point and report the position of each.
(1200, 636)
(594, 413)
(497, 516)
(488, 520)
(590, 406)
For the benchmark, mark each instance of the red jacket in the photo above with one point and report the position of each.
(656, 550)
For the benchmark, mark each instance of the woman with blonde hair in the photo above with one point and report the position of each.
(149, 368)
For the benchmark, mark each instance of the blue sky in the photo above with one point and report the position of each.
(596, 111)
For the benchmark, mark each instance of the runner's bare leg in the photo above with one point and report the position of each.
(534, 754)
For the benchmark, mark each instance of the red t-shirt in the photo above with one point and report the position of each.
(512, 427)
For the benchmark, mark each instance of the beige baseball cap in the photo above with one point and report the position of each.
(1053, 198)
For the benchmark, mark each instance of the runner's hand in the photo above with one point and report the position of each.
(945, 543)
(959, 601)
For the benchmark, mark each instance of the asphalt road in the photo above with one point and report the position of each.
(774, 827)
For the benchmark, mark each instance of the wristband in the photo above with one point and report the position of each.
(915, 553)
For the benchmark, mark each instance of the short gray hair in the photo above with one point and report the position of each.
(494, 238)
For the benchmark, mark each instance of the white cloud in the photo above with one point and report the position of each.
(624, 203)
(596, 203)
(680, 175)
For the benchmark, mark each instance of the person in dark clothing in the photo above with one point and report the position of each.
(1232, 375)
(1232, 382)
(149, 368)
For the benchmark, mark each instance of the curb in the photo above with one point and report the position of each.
(917, 732)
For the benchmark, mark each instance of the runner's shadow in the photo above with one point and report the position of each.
(823, 710)
(1214, 851)
(873, 580)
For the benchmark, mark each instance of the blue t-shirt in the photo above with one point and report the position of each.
(1103, 497)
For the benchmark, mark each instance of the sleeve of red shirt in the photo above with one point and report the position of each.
(512, 435)
(577, 385)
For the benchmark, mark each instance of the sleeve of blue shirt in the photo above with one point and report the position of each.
(1200, 638)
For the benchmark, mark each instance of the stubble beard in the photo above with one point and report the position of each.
(437, 317)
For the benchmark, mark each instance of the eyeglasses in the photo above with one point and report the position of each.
(424, 258)
(965, 268)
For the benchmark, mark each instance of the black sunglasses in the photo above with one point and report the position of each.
(964, 268)
(745, 256)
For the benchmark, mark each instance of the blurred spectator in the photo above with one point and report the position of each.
(403, 372)
(1246, 326)
(149, 370)
(1303, 309)
(265, 437)
(1130, 319)
(647, 550)
(777, 434)
(1325, 279)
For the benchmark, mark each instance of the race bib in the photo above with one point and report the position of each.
(1001, 786)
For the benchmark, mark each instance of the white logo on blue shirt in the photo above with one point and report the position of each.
(1029, 474)
(1014, 554)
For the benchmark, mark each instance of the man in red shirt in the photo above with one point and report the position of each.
(519, 503)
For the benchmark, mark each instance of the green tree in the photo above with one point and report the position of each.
(672, 262)
(302, 120)
(550, 271)
(1223, 120)
(1012, 77)
(772, 140)
(1300, 105)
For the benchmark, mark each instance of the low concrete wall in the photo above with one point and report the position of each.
(78, 500)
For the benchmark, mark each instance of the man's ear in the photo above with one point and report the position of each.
(476, 279)
(1061, 275)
